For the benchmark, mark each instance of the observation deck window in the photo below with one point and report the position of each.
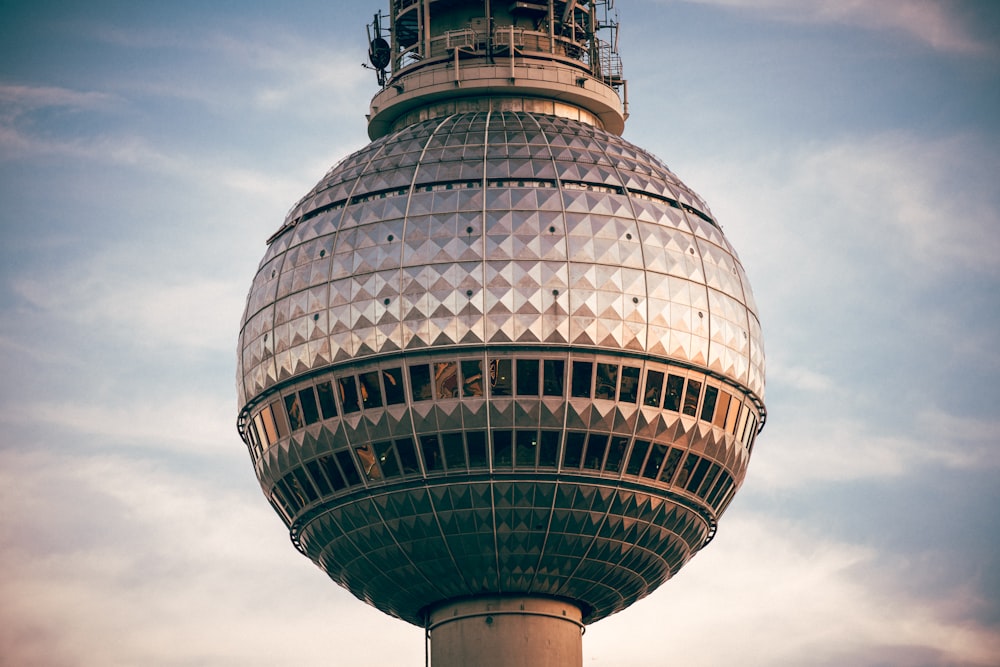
(366, 455)
(721, 408)
(371, 392)
(319, 479)
(698, 474)
(407, 456)
(503, 453)
(629, 391)
(685, 473)
(348, 394)
(615, 454)
(526, 451)
(672, 396)
(597, 447)
(708, 404)
(500, 377)
(454, 451)
(326, 403)
(553, 377)
(333, 474)
(713, 472)
(582, 379)
(386, 453)
(348, 467)
(691, 397)
(607, 381)
(527, 377)
(431, 449)
(573, 452)
(670, 467)
(654, 389)
(472, 378)
(446, 379)
(637, 457)
(548, 449)
(420, 382)
(476, 442)
(393, 380)
(655, 460)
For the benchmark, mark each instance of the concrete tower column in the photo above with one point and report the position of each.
(506, 632)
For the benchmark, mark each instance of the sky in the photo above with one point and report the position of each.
(851, 151)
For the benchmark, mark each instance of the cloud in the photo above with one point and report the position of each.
(776, 593)
(932, 22)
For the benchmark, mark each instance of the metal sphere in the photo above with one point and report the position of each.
(500, 353)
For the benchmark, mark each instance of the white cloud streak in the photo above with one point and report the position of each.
(932, 22)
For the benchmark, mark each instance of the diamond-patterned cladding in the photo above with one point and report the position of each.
(502, 232)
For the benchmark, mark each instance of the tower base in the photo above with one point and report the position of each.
(506, 632)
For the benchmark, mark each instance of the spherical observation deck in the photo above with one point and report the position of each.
(500, 353)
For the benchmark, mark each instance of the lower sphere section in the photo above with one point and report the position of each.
(500, 631)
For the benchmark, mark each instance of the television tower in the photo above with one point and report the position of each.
(500, 372)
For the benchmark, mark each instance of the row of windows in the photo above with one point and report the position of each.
(503, 377)
(493, 183)
(507, 450)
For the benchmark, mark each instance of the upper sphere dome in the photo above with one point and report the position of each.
(498, 228)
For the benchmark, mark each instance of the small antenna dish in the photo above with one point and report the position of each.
(379, 51)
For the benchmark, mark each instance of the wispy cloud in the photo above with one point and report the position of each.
(932, 22)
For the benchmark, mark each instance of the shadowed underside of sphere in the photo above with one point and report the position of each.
(500, 353)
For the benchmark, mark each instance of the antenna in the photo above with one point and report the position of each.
(379, 51)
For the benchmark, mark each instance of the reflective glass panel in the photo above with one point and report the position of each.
(733, 415)
(527, 377)
(371, 393)
(326, 403)
(431, 450)
(387, 458)
(672, 397)
(329, 466)
(685, 474)
(573, 452)
(420, 382)
(307, 399)
(636, 458)
(295, 420)
(472, 378)
(698, 474)
(348, 394)
(708, 405)
(476, 442)
(597, 445)
(709, 479)
(673, 458)
(527, 446)
(500, 380)
(454, 451)
(503, 451)
(553, 371)
(393, 379)
(348, 468)
(629, 391)
(279, 419)
(607, 381)
(366, 457)
(446, 379)
(548, 449)
(691, 397)
(654, 388)
(407, 455)
(299, 478)
(615, 454)
(318, 478)
(656, 457)
(582, 371)
(721, 409)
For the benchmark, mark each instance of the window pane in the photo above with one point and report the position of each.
(673, 458)
(527, 447)
(347, 466)
(654, 389)
(393, 379)
(318, 478)
(734, 413)
(279, 419)
(709, 478)
(407, 455)
(299, 476)
(685, 473)
(387, 458)
(581, 378)
(502, 449)
(629, 391)
(420, 382)
(307, 399)
(326, 402)
(721, 409)
(691, 397)
(348, 394)
(454, 451)
(607, 381)
(332, 472)
(262, 431)
(431, 450)
(548, 449)
(638, 455)
(698, 475)
(500, 380)
(472, 378)
(708, 406)
(597, 445)
(527, 377)
(656, 457)
(553, 371)
(371, 393)
(476, 441)
(672, 397)
(573, 454)
(446, 379)
(294, 411)
(366, 456)
(272, 433)
(615, 454)
(721, 486)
